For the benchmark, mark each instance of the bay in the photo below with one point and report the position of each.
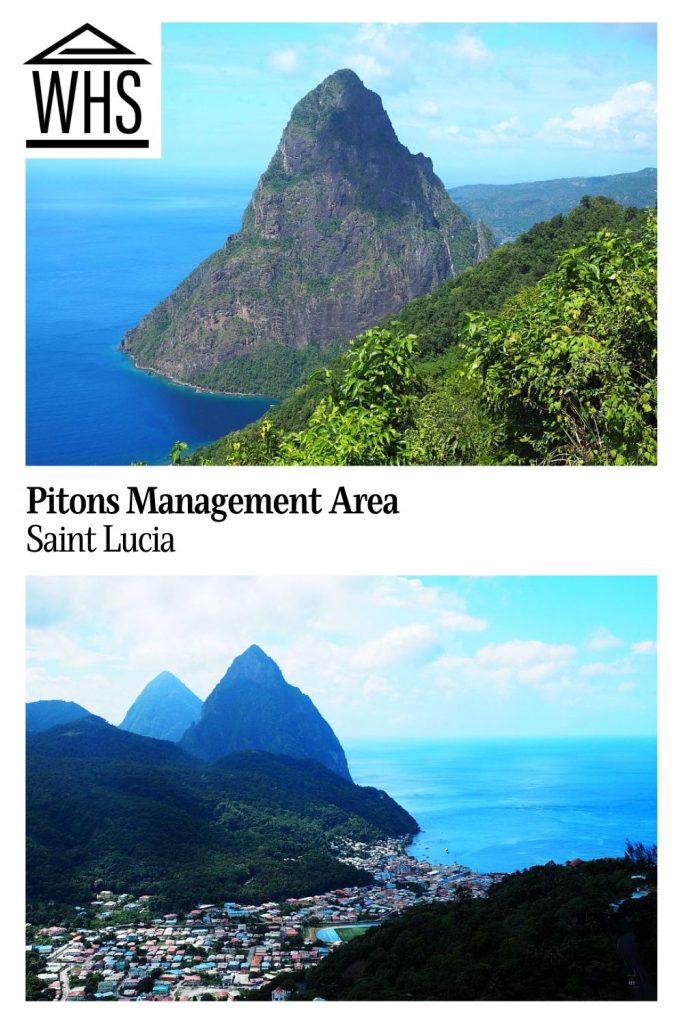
(507, 804)
(101, 252)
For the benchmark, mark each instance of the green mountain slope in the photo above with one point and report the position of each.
(548, 933)
(443, 403)
(43, 714)
(93, 737)
(344, 227)
(108, 809)
(511, 209)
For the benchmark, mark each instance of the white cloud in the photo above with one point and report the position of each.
(602, 640)
(626, 687)
(368, 67)
(452, 672)
(541, 670)
(626, 119)
(449, 133)
(355, 645)
(52, 645)
(139, 626)
(635, 100)
(328, 634)
(644, 647)
(505, 127)
(453, 661)
(527, 659)
(377, 686)
(499, 665)
(382, 53)
(286, 62)
(471, 48)
(500, 133)
(406, 592)
(606, 668)
(511, 130)
(462, 622)
(522, 654)
(428, 109)
(395, 645)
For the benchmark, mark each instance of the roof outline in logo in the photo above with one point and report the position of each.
(60, 53)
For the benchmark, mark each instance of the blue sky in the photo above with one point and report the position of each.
(488, 102)
(380, 656)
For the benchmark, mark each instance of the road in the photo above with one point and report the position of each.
(63, 973)
(643, 987)
(64, 982)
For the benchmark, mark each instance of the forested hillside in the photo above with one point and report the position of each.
(43, 714)
(543, 354)
(102, 804)
(510, 209)
(549, 933)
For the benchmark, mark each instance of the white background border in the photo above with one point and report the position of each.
(471, 520)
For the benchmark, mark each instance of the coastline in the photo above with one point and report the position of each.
(198, 388)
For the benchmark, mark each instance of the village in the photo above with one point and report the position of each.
(223, 952)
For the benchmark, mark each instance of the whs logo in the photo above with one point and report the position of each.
(89, 92)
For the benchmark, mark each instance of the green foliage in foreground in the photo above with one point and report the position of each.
(552, 932)
(568, 370)
(440, 319)
(107, 809)
(565, 374)
(36, 988)
(363, 419)
(452, 404)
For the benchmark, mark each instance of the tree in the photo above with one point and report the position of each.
(36, 988)
(177, 449)
(92, 981)
(641, 855)
(363, 419)
(569, 367)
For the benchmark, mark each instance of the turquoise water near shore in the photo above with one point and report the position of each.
(503, 805)
(101, 251)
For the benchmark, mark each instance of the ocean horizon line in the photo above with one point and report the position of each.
(485, 739)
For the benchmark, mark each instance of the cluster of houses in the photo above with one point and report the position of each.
(223, 951)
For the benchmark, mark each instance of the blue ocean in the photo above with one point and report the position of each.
(101, 251)
(503, 805)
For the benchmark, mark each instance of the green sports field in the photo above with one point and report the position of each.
(351, 931)
(342, 932)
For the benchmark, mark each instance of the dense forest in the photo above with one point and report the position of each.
(545, 353)
(560, 932)
(43, 714)
(102, 804)
(36, 987)
(273, 370)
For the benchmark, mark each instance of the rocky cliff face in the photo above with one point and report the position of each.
(345, 227)
(254, 708)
